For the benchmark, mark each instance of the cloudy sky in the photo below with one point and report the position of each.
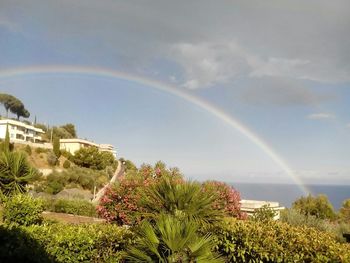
(280, 68)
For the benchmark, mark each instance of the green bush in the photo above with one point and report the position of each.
(75, 207)
(66, 164)
(82, 243)
(251, 241)
(74, 176)
(41, 150)
(68, 243)
(23, 210)
(52, 159)
(28, 150)
(264, 213)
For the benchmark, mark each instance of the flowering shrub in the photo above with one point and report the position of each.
(227, 198)
(121, 202)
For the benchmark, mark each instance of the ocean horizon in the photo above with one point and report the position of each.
(286, 194)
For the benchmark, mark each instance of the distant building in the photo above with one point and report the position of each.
(251, 206)
(20, 132)
(108, 148)
(73, 145)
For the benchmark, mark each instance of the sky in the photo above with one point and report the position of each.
(280, 69)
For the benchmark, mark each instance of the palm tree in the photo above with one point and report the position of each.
(185, 200)
(15, 172)
(171, 240)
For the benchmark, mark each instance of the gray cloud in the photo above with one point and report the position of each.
(320, 116)
(278, 91)
(214, 42)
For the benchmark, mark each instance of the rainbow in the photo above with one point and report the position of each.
(218, 113)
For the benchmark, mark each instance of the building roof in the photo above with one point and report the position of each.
(21, 124)
(81, 141)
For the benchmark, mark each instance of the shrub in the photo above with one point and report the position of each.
(41, 150)
(28, 150)
(52, 159)
(70, 243)
(251, 241)
(318, 206)
(68, 206)
(66, 164)
(15, 172)
(74, 176)
(171, 240)
(226, 198)
(89, 157)
(263, 214)
(23, 210)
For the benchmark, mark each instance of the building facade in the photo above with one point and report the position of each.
(20, 132)
(73, 145)
(251, 206)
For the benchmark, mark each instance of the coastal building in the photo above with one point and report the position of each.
(73, 145)
(108, 148)
(20, 132)
(251, 206)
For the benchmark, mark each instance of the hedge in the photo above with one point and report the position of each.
(63, 243)
(249, 241)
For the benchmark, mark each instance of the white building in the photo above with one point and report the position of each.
(251, 206)
(73, 145)
(20, 132)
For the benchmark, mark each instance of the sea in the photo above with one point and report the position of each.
(286, 194)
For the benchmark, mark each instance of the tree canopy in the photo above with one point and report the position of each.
(318, 206)
(13, 105)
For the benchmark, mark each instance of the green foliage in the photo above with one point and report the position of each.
(52, 159)
(344, 212)
(56, 147)
(264, 214)
(66, 164)
(296, 218)
(70, 128)
(252, 241)
(6, 145)
(22, 210)
(178, 198)
(18, 245)
(15, 172)
(227, 198)
(318, 206)
(67, 154)
(89, 157)
(14, 105)
(68, 243)
(108, 160)
(74, 177)
(28, 150)
(39, 150)
(70, 206)
(122, 203)
(171, 240)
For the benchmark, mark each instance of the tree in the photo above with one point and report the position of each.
(6, 145)
(171, 239)
(56, 147)
(318, 206)
(89, 157)
(70, 128)
(8, 101)
(19, 110)
(14, 105)
(15, 172)
(344, 212)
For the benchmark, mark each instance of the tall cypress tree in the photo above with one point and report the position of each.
(6, 145)
(56, 147)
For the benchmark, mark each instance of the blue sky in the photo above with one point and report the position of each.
(281, 68)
